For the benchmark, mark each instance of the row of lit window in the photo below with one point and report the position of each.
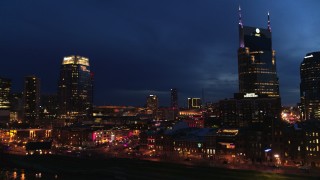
(310, 68)
(314, 141)
(265, 91)
(258, 72)
(312, 149)
(264, 83)
(312, 134)
(312, 154)
(259, 69)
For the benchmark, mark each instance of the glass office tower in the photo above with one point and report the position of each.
(5, 88)
(310, 86)
(75, 89)
(31, 100)
(257, 61)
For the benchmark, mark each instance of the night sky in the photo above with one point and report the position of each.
(141, 47)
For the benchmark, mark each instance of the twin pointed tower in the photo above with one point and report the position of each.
(256, 60)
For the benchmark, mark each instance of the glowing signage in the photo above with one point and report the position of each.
(250, 95)
(267, 150)
(257, 32)
(233, 131)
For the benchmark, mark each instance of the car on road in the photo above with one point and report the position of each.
(304, 168)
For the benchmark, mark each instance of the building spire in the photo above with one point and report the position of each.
(269, 26)
(241, 35)
(240, 18)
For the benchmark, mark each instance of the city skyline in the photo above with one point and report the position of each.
(141, 48)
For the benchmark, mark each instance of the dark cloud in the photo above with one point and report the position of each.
(146, 47)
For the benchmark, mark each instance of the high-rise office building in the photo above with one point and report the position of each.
(174, 99)
(310, 86)
(174, 104)
(257, 106)
(75, 89)
(31, 99)
(247, 110)
(257, 60)
(5, 88)
(152, 102)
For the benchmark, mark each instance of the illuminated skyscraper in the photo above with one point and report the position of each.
(310, 86)
(174, 99)
(152, 102)
(257, 61)
(31, 99)
(16, 109)
(75, 89)
(5, 88)
(152, 105)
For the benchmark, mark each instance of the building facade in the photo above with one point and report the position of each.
(309, 86)
(249, 109)
(49, 109)
(152, 105)
(5, 88)
(75, 89)
(257, 61)
(302, 143)
(16, 110)
(31, 100)
(174, 103)
(174, 98)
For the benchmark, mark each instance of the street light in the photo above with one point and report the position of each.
(278, 161)
(267, 155)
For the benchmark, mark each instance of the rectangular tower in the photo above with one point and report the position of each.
(309, 86)
(31, 99)
(152, 105)
(5, 88)
(75, 91)
(257, 61)
(174, 99)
